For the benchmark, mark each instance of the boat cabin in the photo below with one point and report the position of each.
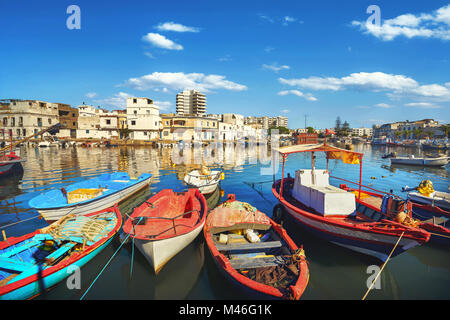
(312, 188)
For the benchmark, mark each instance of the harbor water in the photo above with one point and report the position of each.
(335, 272)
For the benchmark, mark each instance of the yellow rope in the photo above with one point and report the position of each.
(384, 264)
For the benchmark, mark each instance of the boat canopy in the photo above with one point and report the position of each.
(347, 156)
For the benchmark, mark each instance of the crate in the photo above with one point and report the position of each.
(79, 195)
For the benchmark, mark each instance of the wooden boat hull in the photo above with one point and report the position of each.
(207, 188)
(159, 252)
(251, 287)
(441, 200)
(54, 214)
(35, 284)
(364, 239)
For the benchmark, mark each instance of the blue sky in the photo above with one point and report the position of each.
(250, 57)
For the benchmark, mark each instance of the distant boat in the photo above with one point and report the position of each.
(88, 195)
(411, 160)
(255, 253)
(35, 262)
(165, 224)
(8, 161)
(204, 180)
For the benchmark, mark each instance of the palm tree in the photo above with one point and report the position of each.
(407, 132)
(397, 135)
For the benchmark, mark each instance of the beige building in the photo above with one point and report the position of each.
(191, 102)
(188, 128)
(362, 132)
(143, 119)
(27, 117)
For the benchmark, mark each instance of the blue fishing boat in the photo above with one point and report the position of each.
(33, 263)
(88, 195)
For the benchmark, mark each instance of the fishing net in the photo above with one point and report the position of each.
(90, 229)
(281, 276)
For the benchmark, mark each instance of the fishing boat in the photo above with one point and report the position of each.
(423, 161)
(255, 253)
(8, 161)
(389, 155)
(166, 223)
(376, 205)
(204, 179)
(426, 198)
(332, 213)
(88, 195)
(33, 263)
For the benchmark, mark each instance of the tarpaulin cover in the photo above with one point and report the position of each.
(236, 215)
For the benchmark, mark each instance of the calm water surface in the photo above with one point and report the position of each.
(336, 273)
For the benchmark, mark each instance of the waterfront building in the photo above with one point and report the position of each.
(68, 118)
(362, 132)
(143, 119)
(191, 102)
(177, 127)
(26, 117)
(267, 122)
(406, 128)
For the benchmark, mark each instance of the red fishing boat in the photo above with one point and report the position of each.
(166, 223)
(8, 161)
(332, 213)
(254, 252)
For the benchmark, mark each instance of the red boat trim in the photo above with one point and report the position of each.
(77, 256)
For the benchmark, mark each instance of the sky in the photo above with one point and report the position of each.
(302, 59)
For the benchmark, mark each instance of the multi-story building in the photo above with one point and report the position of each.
(26, 117)
(362, 132)
(68, 118)
(406, 128)
(189, 128)
(143, 119)
(267, 122)
(191, 102)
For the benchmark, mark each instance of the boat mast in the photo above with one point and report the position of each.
(282, 177)
(313, 165)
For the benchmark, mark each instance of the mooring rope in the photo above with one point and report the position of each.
(384, 264)
(112, 257)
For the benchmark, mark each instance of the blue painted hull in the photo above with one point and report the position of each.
(33, 289)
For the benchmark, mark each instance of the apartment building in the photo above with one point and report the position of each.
(267, 122)
(143, 119)
(26, 117)
(191, 102)
(189, 128)
(68, 118)
(406, 128)
(362, 132)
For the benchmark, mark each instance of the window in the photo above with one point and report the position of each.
(5, 122)
(133, 123)
(87, 131)
(166, 133)
(145, 133)
(18, 132)
(73, 123)
(148, 111)
(49, 121)
(156, 123)
(13, 122)
(108, 121)
(73, 114)
(135, 112)
(134, 100)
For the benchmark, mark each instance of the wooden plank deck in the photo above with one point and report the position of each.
(248, 246)
(252, 263)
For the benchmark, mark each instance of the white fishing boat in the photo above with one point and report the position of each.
(411, 160)
(204, 180)
(94, 194)
(165, 224)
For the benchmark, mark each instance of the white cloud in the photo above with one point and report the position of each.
(275, 67)
(269, 49)
(161, 41)
(383, 105)
(163, 105)
(285, 111)
(226, 58)
(181, 81)
(172, 26)
(424, 105)
(90, 95)
(148, 54)
(298, 93)
(118, 100)
(425, 25)
(394, 85)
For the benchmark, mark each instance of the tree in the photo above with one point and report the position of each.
(429, 134)
(407, 133)
(397, 134)
(310, 130)
(338, 124)
(281, 130)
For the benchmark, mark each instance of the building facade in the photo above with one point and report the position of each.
(191, 102)
(143, 119)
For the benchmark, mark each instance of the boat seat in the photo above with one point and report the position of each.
(248, 246)
(251, 263)
(19, 249)
(60, 251)
(14, 265)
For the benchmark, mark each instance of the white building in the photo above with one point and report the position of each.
(191, 102)
(362, 132)
(26, 117)
(143, 119)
